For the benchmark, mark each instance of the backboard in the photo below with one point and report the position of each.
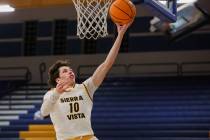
(166, 10)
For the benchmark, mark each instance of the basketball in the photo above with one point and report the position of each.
(122, 11)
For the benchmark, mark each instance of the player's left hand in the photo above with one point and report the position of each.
(121, 29)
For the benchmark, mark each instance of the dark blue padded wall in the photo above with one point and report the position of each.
(140, 25)
(197, 41)
(72, 27)
(74, 46)
(140, 40)
(45, 29)
(147, 43)
(103, 45)
(13, 30)
(10, 39)
(110, 27)
(44, 47)
(10, 49)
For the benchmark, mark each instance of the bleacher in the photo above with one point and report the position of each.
(158, 108)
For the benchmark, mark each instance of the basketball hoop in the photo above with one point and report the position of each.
(91, 18)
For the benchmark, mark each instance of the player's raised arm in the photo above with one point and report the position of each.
(100, 73)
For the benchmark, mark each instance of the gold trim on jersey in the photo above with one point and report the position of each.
(86, 89)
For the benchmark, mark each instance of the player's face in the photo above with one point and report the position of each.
(66, 74)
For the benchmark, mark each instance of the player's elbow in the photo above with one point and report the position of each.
(44, 111)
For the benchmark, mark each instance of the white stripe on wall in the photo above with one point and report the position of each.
(7, 112)
(21, 102)
(9, 118)
(23, 97)
(4, 123)
(17, 107)
(30, 92)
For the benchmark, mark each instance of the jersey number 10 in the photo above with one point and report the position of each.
(74, 107)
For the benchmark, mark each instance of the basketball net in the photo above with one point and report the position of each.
(91, 18)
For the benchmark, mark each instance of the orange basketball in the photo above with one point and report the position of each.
(122, 11)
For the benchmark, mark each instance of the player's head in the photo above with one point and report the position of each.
(60, 71)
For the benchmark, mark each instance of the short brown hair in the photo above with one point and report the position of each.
(53, 72)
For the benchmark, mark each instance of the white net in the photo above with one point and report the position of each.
(92, 18)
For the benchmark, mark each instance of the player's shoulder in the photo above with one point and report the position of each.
(87, 81)
(48, 93)
(78, 86)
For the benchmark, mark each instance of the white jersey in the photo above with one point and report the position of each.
(71, 111)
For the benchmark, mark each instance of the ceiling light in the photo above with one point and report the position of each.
(6, 8)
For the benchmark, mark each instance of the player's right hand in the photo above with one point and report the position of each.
(61, 86)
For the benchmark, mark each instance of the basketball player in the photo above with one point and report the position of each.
(69, 104)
